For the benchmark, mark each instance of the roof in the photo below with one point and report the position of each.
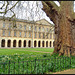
(41, 22)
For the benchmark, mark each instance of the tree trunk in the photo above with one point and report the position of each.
(64, 32)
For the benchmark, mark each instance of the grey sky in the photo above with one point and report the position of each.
(29, 10)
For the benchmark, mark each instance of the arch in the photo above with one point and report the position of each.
(39, 43)
(9, 43)
(42, 43)
(50, 43)
(14, 43)
(24, 43)
(3, 43)
(29, 43)
(53, 43)
(35, 42)
(19, 43)
(46, 43)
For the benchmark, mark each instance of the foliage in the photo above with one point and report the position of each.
(34, 64)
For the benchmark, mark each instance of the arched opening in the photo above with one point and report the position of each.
(39, 43)
(29, 43)
(42, 43)
(35, 43)
(19, 44)
(3, 43)
(9, 43)
(46, 43)
(24, 43)
(50, 43)
(53, 43)
(14, 43)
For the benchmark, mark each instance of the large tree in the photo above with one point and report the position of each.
(64, 20)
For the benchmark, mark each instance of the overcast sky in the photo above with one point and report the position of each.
(30, 10)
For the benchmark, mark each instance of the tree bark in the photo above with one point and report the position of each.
(64, 26)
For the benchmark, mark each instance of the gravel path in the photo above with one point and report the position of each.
(70, 71)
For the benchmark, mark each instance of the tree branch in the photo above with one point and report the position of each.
(52, 5)
(51, 10)
(3, 5)
(13, 6)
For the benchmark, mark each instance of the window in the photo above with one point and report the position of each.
(29, 34)
(50, 35)
(47, 29)
(3, 24)
(15, 33)
(35, 28)
(9, 25)
(39, 28)
(43, 29)
(20, 34)
(39, 35)
(25, 27)
(25, 34)
(3, 32)
(9, 33)
(35, 35)
(29, 27)
(43, 35)
(47, 36)
(20, 26)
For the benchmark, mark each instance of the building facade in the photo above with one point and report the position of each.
(25, 34)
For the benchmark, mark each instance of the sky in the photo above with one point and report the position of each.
(30, 10)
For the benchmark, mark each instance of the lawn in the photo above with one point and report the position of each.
(26, 51)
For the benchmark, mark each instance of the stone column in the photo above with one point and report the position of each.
(6, 43)
(0, 43)
(32, 41)
(11, 43)
(32, 44)
(52, 44)
(27, 43)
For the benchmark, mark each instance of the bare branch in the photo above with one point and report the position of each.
(3, 5)
(13, 6)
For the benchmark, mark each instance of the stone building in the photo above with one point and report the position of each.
(22, 33)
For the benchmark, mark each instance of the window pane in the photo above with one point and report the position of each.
(14, 33)
(43, 29)
(39, 35)
(25, 34)
(25, 27)
(20, 26)
(9, 33)
(35, 28)
(3, 33)
(47, 29)
(20, 34)
(50, 35)
(29, 34)
(3, 24)
(35, 35)
(39, 28)
(29, 27)
(9, 25)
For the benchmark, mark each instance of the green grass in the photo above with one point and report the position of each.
(28, 51)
